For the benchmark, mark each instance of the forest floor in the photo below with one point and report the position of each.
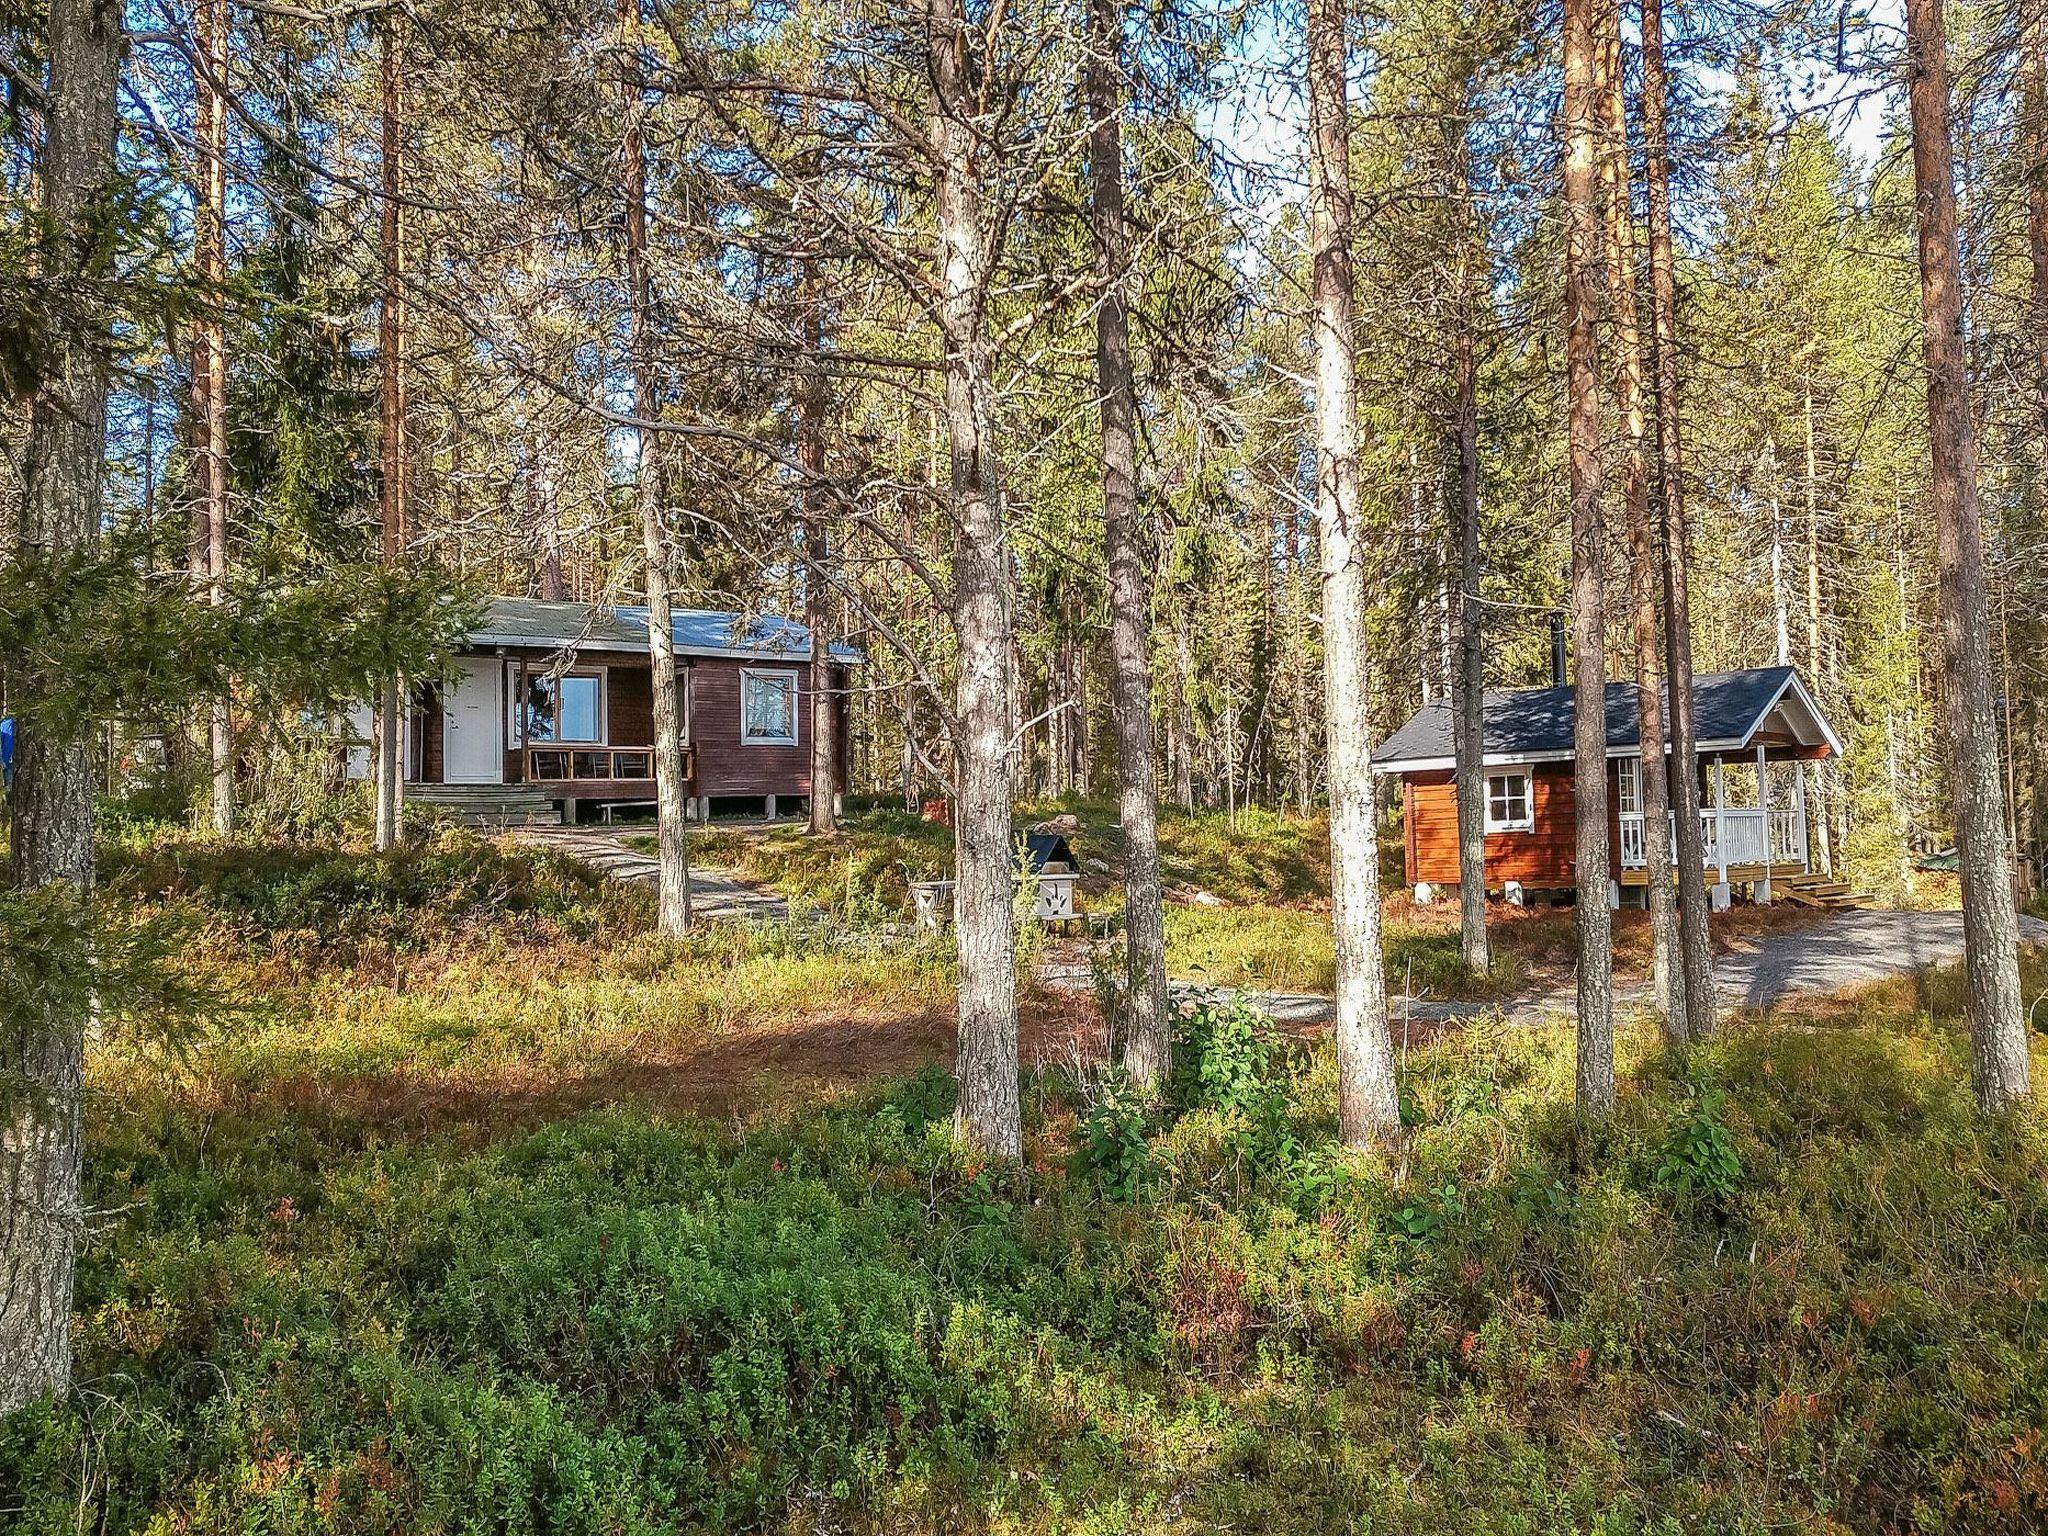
(473, 1206)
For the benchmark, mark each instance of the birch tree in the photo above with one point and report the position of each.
(209, 389)
(672, 875)
(1589, 617)
(1368, 1107)
(389, 733)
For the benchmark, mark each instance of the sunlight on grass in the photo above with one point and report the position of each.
(434, 1242)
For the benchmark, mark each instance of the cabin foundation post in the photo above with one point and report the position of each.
(771, 807)
(1614, 895)
(1511, 893)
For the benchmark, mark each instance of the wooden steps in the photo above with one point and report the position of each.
(495, 806)
(1811, 889)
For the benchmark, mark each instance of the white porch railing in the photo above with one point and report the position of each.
(1735, 835)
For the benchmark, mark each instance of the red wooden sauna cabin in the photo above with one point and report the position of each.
(548, 708)
(1757, 733)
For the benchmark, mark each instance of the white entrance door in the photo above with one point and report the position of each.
(472, 742)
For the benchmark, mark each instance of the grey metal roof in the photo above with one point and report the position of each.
(1537, 722)
(528, 621)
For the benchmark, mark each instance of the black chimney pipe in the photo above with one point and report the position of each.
(1557, 648)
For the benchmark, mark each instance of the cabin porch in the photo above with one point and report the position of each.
(1752, 831)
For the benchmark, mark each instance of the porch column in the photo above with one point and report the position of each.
(1721, 822)
(1799, 809)
(1763, 800)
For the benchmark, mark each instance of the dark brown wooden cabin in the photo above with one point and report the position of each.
(1761, 727)
(558, 696)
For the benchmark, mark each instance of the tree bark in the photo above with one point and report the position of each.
(1146, 1039)
(391, 339)
(1990, 925)
(985, 698)
(1814, 790)
(2034, 125)
(671, 780)
(1368, 1107)
(1695, 949)
(1652, 783)
(818, 605)
(210, 372)
(1589, 661)
(1468, 682)
(52, 802)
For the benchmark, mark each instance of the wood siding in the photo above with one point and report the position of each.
(726, 766)
(1544, 857)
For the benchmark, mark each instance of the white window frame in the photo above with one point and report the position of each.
(796, 705)
(1628, 786)
(1527, 822)
(515, 723)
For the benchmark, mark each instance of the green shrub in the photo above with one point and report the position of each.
(1113, 1148)
(1699, 1161)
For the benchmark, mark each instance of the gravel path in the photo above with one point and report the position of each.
(714, 893)
(1837, 952)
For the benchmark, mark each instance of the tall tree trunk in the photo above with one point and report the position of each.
(391, 339)
(52, 800)
(985, 700)
(2034, 126)
(210, 371)
(671, 779)
(1990, 925)
(818, 604)
(1146, 1040)
(1589, 661)
(1368, 1109)
(1696, 951)
(1645, 579)
(1468, 683)
(1814, 791)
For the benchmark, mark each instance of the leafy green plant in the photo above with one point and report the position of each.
(1427, 1214)
(1113, 1149)
(1224, 1052)
(1699, 1160)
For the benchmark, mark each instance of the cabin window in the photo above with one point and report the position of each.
(565, 708)
(1628, 793)
(1507, 802)
(767, 708)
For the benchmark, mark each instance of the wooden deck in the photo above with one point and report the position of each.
(1738, 874)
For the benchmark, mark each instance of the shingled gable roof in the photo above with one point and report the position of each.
(1529, 724)
(532, 622)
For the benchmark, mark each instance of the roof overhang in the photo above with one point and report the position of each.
(1795, 690)
(485, 639)
(1516, 759)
